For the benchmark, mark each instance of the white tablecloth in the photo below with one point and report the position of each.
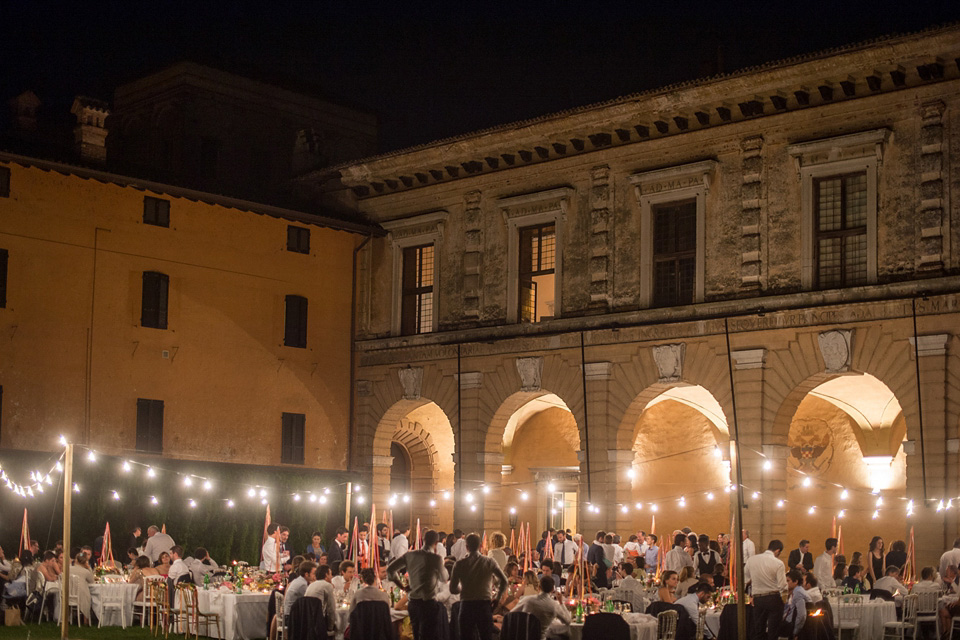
(242, 616)
(111, 617)
(642, 627)
(873, 615)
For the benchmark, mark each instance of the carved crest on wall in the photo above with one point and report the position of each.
(835, 349)
(530, 370)
(411, 379)
(669, 359)
(811, 445)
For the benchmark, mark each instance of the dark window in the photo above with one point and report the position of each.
(841, 230)
(416, 314)
(537, 270)
(150, 425)
(153, 308)
(295, 322)
(291, 439)
(674, 253)
(4, 182)
(298, 239)
(156, 211)
(3, 278)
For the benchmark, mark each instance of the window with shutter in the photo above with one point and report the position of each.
(3, 278)
(295, 322)
(153, 308)
(674, 253)
(292, 438)
(416, 315)
(149, 425)
(156, 211)
(298, 239)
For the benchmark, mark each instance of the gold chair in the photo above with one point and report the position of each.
(190, 611)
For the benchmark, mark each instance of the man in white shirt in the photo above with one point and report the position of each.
(565, 551)
(890, 583)
(697, 596)
(400, 544)
(178, 567)
(823, 566)
(200, 565)
(270, 552)
(617, 550)
(459, 548)
(705, 560)
(157, 543)
(811, 586)
(369, 591)
(928, 581)
(749, 549)
(766, 576)
(949, 557)
(306, 574)
(544, 606)
(677, 558)
(322, 588)
(345, 583)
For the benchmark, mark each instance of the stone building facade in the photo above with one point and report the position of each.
(563, 308)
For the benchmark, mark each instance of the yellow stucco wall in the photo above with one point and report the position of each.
(227, 377)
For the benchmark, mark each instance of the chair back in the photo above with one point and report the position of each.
(518, 625)
(606, 626)
(831, 592)
(111, 597)
(370, 620)
(278, 609)
(75, 586)
(911, 604)
(667, 625)
(701, 622)
(849, 609)
(927, 602)
(307, 620)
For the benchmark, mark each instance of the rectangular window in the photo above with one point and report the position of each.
(840, 219)
(153, 307)
(291, 438)
(537, 272)
(674, 253)
(295, 322)
(3, 278)
(4, 182)
(156, 211)
(416, 314)
(149, 425)
(298, 239)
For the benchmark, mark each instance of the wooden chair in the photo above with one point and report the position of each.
(667, 625)
(909, 622)
(165, 612)
(189, 612)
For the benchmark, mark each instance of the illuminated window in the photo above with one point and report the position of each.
(674, 253)
(417, 295)
(840, 210)
(537, 272)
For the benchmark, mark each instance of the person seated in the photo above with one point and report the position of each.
(854, 579)
(531, 584)
(544, 606)
(346, 583)
(132, 555)
(627, 581)
(795, 611)
(950, 580)
(891, 582)
(322, 588)
(179, 571)
(200, 565)
(306, 574)
(928, 581)
(696, 596)
(81, 568)
(668, 587)
(48, 566)
(720, 576)
(369, 591)
(546, 569)
(812, 587)
(141, 570)
(163, 563)
(686, 580)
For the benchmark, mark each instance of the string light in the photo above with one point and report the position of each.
(473, 508)
(756, 495)
(779, 504)
(551, 487)
(433, 503)
(523, 496)
(639, 506)
(230, 504)
(91, 456)
(807, 481)
(876, 514)
(406, 498)
(151, 473)
(187, 482)
(683, 501)
(631, 473)
(116, 496)
(842, 513)
(710, 495)
(485, 489)
(623, 509)
(263, 493)
(192, 503)
(767, 465)
(252, 493)
(844, 494)
(446, 495)
(126, 467)
(322, 499)
(207, 485)
(360, 500)
(154, 501)
(468, 497)
(296, 497)
(811, 510)
(312, 498)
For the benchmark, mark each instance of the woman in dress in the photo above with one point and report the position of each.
(497, 542)
(686, 580)
(81, 568)
(141, 570)
(876, 567)
(897, 556)
(162, 565)
(668, 587)
(531, 583)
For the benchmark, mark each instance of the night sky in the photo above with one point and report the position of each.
(429, 71)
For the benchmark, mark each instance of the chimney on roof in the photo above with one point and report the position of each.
(24, 108)
(308, 151)
(90, 132)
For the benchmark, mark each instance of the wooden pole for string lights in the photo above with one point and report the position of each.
(67, 505)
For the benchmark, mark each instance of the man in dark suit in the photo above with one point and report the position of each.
(801, 558)
(338, 550)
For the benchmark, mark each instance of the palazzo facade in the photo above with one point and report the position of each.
(570, 316)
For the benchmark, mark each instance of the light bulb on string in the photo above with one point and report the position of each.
(639, 506)
(296, 497)
(263, 493)
(524, 496)
(844, 494)
(717, 453)
(30, 491)
(153, 500)
(433, 503)
(623, 509)
(151, 473)
(811, 510)
(551, 487)
(322, 499)
(312, 498)
(252, 493)
(446, 495)
(879, 501)
(485, 489)
(360, 499)
(559, 504)
(192, 503)
(76, 488)
(767, 465)
(63, 441)
(406, 498)
(473, 507)
(779, 504)
(263, 501)
(876, 514)
(631, 474)
(683, 501)
(710, 495)
(940, 506)
(59, 466)
(513, 510)
(230, 504)
(553, 512)
(92, 456)
(654, 507)
(756, 495)
(126, 467)
(950, 503)
(188, 481)
(392, 501)
(842, 513)
(326, 490)
(207, 485)
(468, 497)
(807, 481)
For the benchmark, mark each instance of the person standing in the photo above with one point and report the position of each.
(565, 551)
(749, 549)
(425, 572)
(400, 543)
(471, 579)
(677, 558)
(767, 578)
(157, 543)
(270, 553)
(383, 544)
(651, 557)
(951, 556)
(706, 559)
(823, 567)
(338, 550)
(459, 548)
(801, 558)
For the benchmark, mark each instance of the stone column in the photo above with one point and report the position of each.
(602, 435)
(471, 440)
(933, 530)
(748, 369)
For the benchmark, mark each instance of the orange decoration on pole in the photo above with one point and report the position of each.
(24, 534)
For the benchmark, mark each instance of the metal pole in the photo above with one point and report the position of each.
(67, 504)
(738, 512)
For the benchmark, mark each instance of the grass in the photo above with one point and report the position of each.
(50, 631)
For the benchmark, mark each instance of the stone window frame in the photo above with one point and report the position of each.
(527, 210)
(690, 181)
(423, 229)
(850, 153)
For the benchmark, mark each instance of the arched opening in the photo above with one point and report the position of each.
(413, 464)
(541, 467)
(681, 471)
(844, 455)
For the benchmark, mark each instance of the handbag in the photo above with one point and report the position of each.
(11, 617)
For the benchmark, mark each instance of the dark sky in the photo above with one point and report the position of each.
(430, 71)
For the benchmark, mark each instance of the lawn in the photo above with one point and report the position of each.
(50, 631)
